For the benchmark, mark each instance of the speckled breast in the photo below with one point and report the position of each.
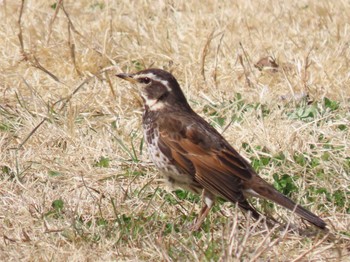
(161, 161)
(174, 176)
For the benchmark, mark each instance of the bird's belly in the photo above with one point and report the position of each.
(174, 176)
(165, 166)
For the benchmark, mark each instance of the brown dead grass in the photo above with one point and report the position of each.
(62, 109)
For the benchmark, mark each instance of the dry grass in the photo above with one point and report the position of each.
(75, 183)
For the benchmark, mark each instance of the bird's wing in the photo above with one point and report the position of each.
(202, 152)
(219, 168)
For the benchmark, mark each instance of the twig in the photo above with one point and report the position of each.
(66, 100)
(69, 97)
(48, 230)
(110, 86)
(70, 21)
(290, 85)
(37, 64)
(33, 90)
(306, 75)
(246, 57)
(58, 5)
(205, 53)
(312, 248)
(31, 133)
(72, 50)
(216, 58)
(246, 72)
(274, 242)
(20, 34)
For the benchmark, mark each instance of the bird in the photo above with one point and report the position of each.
(192, 155)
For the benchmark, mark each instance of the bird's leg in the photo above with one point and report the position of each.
(208, 201)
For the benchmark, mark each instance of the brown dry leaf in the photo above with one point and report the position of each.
(267, 63)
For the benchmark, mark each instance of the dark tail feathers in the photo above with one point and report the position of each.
(275, 196)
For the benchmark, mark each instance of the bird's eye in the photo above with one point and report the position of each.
(145, 80)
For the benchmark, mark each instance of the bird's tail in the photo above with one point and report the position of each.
(270, 193)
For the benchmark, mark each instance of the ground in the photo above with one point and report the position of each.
(75, 180)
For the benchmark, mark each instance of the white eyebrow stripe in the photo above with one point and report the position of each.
(154, 77)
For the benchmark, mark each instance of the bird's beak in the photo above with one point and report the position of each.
(127, 77)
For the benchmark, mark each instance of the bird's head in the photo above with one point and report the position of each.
(158, 88)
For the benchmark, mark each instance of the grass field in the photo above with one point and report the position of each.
(76, 183)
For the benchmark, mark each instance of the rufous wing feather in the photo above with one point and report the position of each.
(222, 170)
